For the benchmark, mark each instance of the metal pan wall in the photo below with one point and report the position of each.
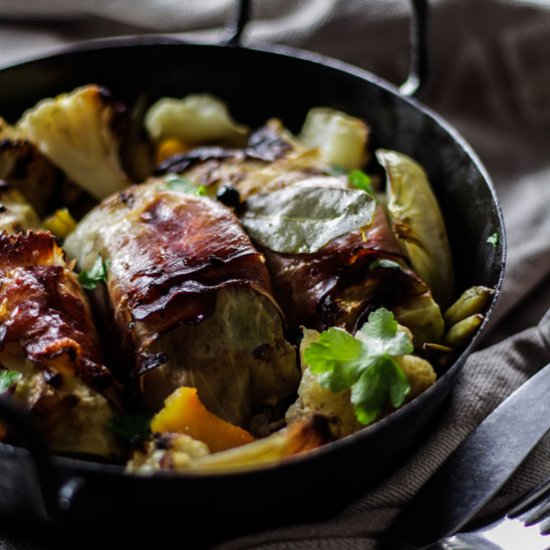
(258, 84)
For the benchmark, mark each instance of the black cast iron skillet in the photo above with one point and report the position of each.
(257, 83)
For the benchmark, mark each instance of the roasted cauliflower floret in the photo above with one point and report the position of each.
(313, 398)
(77, 132)
(16, 213)
(195, 119)
(167, 451)
(170, 451)
(419, 373)
(340, 138)
(335, 406)
(26, 169)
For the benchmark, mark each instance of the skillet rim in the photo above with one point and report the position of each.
(282, 51)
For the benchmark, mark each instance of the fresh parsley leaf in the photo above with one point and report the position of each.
(8, 378)
(96, 274)
(384, 262)
(381, 337)
(184, 185)
(133, 428)
(399, 385)
(365, 363)
(370, 393)
(493, 239)
(333, 358)
(357, 178)
(362, 181)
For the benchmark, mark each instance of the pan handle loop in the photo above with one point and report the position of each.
(26, 428)
(419, 66)
(419, 63)
(237, 23)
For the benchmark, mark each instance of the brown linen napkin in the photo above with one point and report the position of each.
(491, 79)
(488, 377)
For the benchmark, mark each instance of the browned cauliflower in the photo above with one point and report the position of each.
(77, 132)
(313, 398)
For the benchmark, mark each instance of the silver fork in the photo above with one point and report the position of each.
(525, 527)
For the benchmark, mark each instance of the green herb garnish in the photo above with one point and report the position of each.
(131, 427)
(184, 185)
(493, 239)
(8, 378)
(96, 274)
(362, 181)
(366, 363)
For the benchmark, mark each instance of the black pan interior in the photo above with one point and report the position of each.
(258, 85)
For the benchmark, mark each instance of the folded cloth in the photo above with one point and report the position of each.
(491, 79)
(487, 378)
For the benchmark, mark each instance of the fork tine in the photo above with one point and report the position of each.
(527, 502)
(545, 527)
(536, 514)
(528, 521)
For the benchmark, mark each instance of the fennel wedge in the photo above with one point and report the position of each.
(418, 223)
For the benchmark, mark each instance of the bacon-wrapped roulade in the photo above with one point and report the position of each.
(339, 283)
(342, 282)
(330, 251)
(191, 297)
(49, 346)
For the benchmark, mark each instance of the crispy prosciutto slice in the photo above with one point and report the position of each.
(48, 339)
(191, 297)
(340, 284)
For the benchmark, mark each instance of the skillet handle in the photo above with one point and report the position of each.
(419, 62)
(237, 23)
(418, 71)
(45, 485)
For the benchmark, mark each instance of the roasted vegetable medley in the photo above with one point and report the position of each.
(181, 292)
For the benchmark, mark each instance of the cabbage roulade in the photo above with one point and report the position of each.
(330, 252)
(191, 297)
(333, 258)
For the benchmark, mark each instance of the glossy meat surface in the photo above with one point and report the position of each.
(182, 270)
(48, 336)
(340, 283)
(309, 285)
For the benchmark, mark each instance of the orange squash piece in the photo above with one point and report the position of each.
(169, 147)
(184, 413)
